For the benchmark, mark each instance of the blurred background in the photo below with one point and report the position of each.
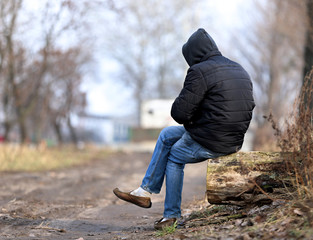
(106, 72)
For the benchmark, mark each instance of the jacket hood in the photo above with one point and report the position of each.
(199, 47)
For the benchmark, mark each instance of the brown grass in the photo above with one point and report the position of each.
(15, 157)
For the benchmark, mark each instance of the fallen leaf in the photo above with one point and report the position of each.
(298, 212)
(260, 218)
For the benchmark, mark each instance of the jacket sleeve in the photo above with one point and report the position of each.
(186, 105)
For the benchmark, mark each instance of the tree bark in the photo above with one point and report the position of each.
(246, 178)
(308, 60)
(308, 52)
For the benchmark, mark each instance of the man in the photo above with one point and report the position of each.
(215, 107)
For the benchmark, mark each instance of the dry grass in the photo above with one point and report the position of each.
(282, 220)
(297, 138)
(15, 157)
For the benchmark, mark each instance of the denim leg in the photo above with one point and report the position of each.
(174, 187)
(185, 150)
(154, 177)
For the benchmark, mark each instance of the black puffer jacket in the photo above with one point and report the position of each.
(216, 102)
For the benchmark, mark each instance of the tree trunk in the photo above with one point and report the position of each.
(7, 129)
(72, 131)
(22, 127)
(58, 133)
(308, 59)
(246, 178)
(308, 51)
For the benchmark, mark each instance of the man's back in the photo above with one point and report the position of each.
(216, 102)
(226, 109)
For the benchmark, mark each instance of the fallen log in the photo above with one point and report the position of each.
(247, 178)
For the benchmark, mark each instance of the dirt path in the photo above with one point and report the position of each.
(79, 203)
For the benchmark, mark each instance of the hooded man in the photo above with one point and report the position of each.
(215, 108)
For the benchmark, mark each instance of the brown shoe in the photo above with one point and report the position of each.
(144, 202)
(159, 225)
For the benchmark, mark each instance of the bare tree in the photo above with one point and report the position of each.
(273, 56)
(61, 95)
(9, 13)
(23, 79)
(62, 79)
(145, 38)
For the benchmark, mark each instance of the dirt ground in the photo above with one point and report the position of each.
(78, 203)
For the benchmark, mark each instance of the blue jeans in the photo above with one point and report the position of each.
(174, 148)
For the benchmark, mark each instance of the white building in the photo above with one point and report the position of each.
(156, 113)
